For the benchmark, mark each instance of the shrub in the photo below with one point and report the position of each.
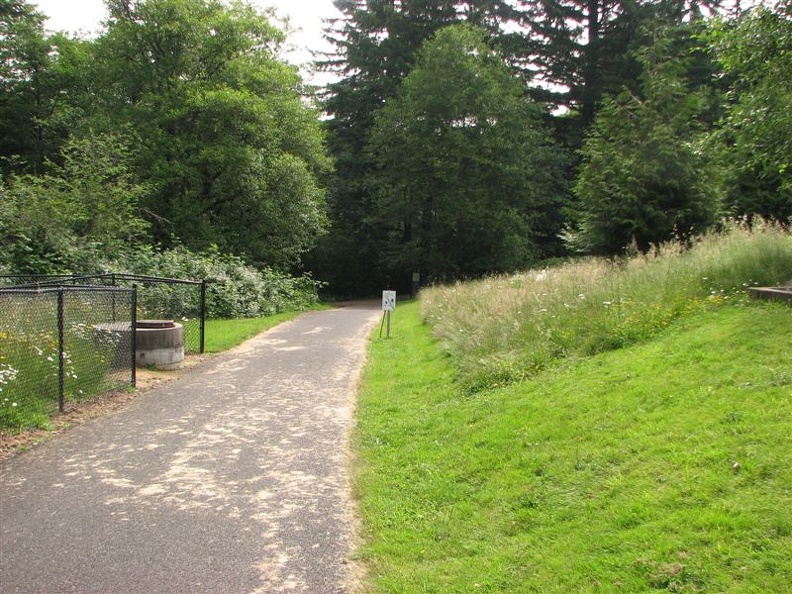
(234, 290)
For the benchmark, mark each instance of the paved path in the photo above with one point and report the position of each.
(230, 480)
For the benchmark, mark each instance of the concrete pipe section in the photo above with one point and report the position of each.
(160, 343)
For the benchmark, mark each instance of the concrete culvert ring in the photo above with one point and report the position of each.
(159, 343)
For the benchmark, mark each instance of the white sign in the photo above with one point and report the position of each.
(388, 300)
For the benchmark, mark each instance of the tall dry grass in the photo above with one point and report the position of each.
(507, 328)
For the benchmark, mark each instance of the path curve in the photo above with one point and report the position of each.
(232, 479)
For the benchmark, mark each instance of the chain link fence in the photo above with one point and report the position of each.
(183, 301)
(61, 344)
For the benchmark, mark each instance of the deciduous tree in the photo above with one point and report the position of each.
(75, 217)
(24, 63)
(755, 142)
(230, 148)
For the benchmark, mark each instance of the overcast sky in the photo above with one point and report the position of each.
(305, 16)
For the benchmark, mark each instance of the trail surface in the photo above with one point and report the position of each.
(232, 479)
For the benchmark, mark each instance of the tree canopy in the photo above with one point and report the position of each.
(756, 137)
(217, 126)
(642, 180)
(449, 143)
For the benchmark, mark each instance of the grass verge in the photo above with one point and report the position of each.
(222, 335)
(662, 466)
(508, 328)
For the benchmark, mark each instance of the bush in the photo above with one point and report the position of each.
(235, 289)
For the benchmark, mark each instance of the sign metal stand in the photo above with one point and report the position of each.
(388, 305)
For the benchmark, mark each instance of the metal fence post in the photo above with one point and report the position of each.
(61, 352)
(133, 332)
(203, 315)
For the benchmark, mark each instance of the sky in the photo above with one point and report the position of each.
(305, 17)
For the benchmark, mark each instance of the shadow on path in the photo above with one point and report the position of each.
(232, 479)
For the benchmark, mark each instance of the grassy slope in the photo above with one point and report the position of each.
(615, 473)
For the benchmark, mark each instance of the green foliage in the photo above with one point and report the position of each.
(231, 151)
(582, 50)
(642, 180)
(754, 147)
(506, 329)
(467, 178)
(377, 44)
(84, 218)
(16, 411)
(24, 62)
(70, 219)
(234, 290)
(221, 131)
(662, 466)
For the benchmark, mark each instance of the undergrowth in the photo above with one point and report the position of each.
(508, 328)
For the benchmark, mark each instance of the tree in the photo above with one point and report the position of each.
(230, 150)
(76, 217)
(466, 176)
(24, 62)
(755, 142)
(376, 41)
(580, 50)
(642, 181)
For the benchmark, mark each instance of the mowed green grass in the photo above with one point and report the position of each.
(662, 466)
(222, 335)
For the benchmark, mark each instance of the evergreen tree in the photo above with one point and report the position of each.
(642, 180)
(581, 50)
(376, 42)
(466, 176)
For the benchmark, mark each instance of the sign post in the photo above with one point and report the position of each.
(388, 305)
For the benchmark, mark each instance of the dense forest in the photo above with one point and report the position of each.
(458, 139)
